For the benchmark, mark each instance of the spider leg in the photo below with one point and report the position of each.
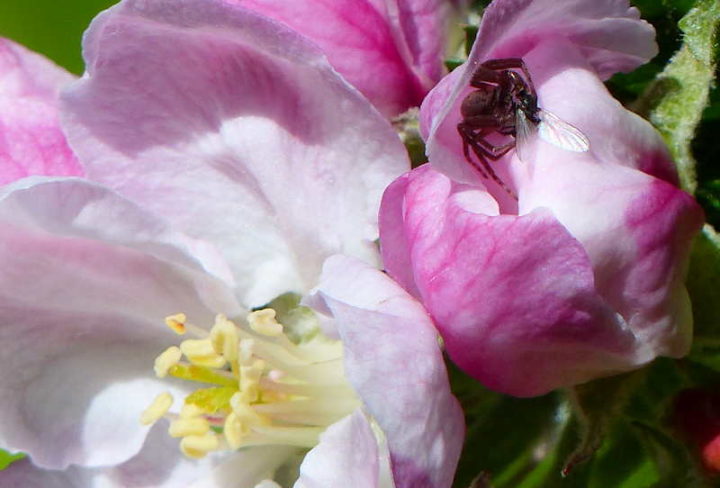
(467, 138)
(474, 140)
(480, 127)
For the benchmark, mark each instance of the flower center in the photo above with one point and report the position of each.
(258, 386)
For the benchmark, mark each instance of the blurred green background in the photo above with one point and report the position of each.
(51, 27)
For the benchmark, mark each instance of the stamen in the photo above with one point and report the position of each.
(184, 427)
(224, 338)
(263, 322)
(169, 358)
(197, 446)
(202, 353)
(157, 409)
(289, 436)
(190, 410)
(260, 388)
(176, 323)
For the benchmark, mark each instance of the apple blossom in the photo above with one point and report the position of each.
(32, 141)
(226, 164)
(582, 275)
(390, 50)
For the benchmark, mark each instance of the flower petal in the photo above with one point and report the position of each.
(637, 231)
(514, 297)
(292, 160)
(347, 455)
(31, 142)
(86, 279)
(610, 33)
(159, 464)
(390, 50)
(618, 136)
(598, 37)
(392, 346)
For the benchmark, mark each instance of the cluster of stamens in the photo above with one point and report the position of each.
(260, 388)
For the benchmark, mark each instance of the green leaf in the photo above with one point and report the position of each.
(678, 468)
(703, 286)
(503, 433)
(595, 406)
(623, 462)
(675, 101)
(6, 458)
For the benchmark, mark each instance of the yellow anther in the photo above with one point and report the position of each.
(190, 410)
(197, 347)
(263, 322)
(249, 381)
(169, 358)
(157, 409)
(261, 389)
(234, 430)
(245, 413)
(184, 427)
(197, 446)
(176, 323)
(202, 353)
(208, 361)
(224, 338)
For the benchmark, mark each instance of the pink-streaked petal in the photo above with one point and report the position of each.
(24, 73)
(390, 50)
(158, 465)
(31, 141)
(424, 24)
(86, 279)
(637, 231)
(514, 297)
(552, 37)
(347, 456)
(238, 131)
(611, 34)
(391, 346)
(618, 136)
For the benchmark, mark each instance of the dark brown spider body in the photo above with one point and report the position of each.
(492, 108)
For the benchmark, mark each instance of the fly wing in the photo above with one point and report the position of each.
(561, 134)
(524, 140)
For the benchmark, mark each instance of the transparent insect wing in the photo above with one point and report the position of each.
(525, 139)
(561, 134)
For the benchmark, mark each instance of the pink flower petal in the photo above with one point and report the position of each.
(87, 279)
(31, 142)
(392, 346)
(292, 161)
(514, 297)
(610, 33)
(390, 50)
(585, 37)
(637, 231)
(618, 136)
